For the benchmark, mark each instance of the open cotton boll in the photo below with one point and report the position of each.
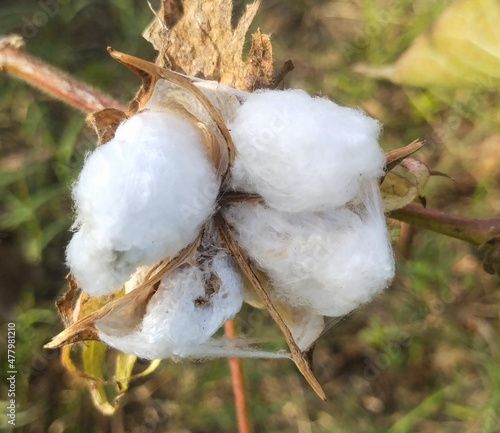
(182, 316)
(302, 153)
(145, 195)
(330, 261)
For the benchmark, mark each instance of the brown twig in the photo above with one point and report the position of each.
(239, 389)
(475, 231)
(14, 61)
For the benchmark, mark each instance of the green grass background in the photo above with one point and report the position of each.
(423, 357)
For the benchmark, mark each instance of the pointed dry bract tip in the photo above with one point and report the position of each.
(394, 157)
(304, 366)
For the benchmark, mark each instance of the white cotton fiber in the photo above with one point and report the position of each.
(331, 261)
(302, 153)
(181, 317)
(95, 264)
(140, 198)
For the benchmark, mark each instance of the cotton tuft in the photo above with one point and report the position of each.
(303, 153)
(140, 198)
(331, 261)
(319, 234)
(181, 317)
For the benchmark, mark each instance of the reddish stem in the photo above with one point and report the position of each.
(14, 61)
(471, 230)
(239, 389)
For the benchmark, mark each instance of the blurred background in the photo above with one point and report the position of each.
(423, 357)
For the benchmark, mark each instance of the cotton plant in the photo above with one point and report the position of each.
(207, 197)
(207, 194)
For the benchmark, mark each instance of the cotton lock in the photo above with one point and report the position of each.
(184, 313)
(140, 198)
(331, 261)
(303, 153)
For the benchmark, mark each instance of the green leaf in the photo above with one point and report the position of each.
(461, 49)
(94, 358)
(123, 370)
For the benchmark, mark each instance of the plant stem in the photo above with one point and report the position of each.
(14, 61)
(239, 389)
(471, 230)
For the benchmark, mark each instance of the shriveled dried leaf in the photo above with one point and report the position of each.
(258, 70)
(462, 49)
(198, 39)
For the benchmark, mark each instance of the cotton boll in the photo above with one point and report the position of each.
(302, 153)
(182, 315)
(330, 261)
(145, 195)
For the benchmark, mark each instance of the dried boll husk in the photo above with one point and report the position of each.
(331, 261)
(302, 153)
(140, 198)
